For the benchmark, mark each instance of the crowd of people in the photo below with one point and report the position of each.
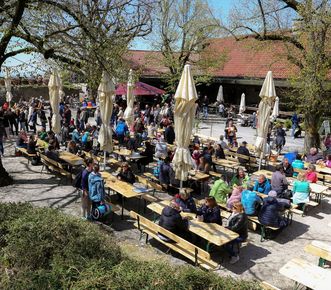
(153, 131)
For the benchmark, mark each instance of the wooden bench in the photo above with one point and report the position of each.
(24, 152)
(304, 208)
(199, 256)
(321, 250)
(54, 166)
(309, 275)
(234, 156)
(267, 286)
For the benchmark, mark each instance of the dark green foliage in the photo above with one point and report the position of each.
(45, 249)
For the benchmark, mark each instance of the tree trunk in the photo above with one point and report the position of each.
(5, 179)
(312, 138)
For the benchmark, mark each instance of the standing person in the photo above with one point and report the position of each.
(205, 104)
(85, 201)
(22, 119)
(77, 119)
(43, 119)
(295, 123)
(84, 119)
(121, 131)
(169, 134)
(280, 138)
(6, 124)
(67, 115)
(96, 187)
(12, 117)
(33, 121)
(221, 110)
(238, 223)
(231, 133)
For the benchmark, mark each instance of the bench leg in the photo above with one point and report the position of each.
(321, 262)
(146, 240)
(263, 233)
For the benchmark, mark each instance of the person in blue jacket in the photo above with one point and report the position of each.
(185, 201)
(96, 188)
(210, 212)
(262, 185)
(270, 213)
(121, 130)
(251, 202)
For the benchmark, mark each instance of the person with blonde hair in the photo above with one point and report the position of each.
(185, 201)
(301, 190)
(237, 223)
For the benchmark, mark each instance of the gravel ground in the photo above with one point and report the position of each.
(257, 260)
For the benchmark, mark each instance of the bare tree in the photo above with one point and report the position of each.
(303, 28)
(181, 32)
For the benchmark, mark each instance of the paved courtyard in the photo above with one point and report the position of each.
(257, 260)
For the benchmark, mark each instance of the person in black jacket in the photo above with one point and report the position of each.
(172, 221)
(169, 134)
(210, 212)
(288, 169)
(148, 153)
(243, 151)
(126, 174)
(270, 213)
(237, 223)
(31, 148)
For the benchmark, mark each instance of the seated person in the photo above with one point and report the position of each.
(210, 212)
(314, 156)
(75, 136)
(31, 148)
(262, 185)
(161, 148)
(22, 140)
(172, 221)
(240, 179)
(52, 140)
(301, 190)
(148, 153)
(219, 152)
(270, 213)
(287, 168)
(237, 223)
(297, 164)
(327, 161)
(42, 134)
(234, 197)
(72, 147)
(52, 153)
(243, 151)
(203, 165)
(311, 175)
(251, 202)
(126, 174)
(196, 157)
(278, 180)
(185, 201)
(220, 191)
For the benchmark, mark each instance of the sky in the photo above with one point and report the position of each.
(220, 8)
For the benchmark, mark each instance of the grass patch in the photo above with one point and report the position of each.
(44, 249)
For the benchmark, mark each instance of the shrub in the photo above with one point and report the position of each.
(45, 249)
(288, 124)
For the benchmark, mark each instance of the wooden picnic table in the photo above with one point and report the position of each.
(211, 232)
(321, 250)
(123, 152)
(311, 276)
(266, 173)
(226, 163)
(123, 188)
(70, 158)
(198, 176)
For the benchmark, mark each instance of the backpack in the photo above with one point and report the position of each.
(100, 211)
(77, 182)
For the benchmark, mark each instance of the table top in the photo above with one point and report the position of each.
(123, 152)
(70, 158)
(211, 232)
(311, 276)
(319, 249)
(123, 188)
(225, 162)
(266, 173)
(196, 175)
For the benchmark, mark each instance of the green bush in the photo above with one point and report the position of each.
(45, 249)
(288, 124)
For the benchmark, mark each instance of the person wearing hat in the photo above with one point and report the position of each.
(172, 221)
(126, 173)
(242, 150)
